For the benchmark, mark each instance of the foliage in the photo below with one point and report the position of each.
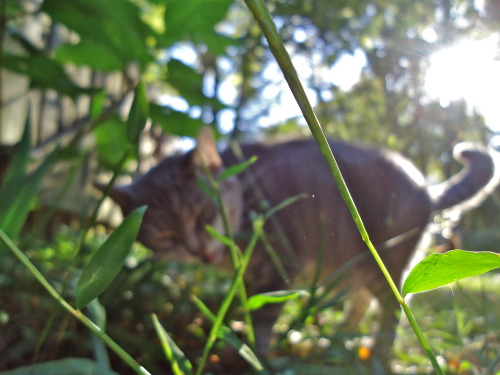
(142, 48)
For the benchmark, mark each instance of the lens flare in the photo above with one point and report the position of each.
(469, 70)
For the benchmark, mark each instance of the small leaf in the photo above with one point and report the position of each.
(236, 169)
(179, 363)
(108, 260)
(257, 301)
(97, 105)
(219, 237)
(138, 115)
(440, 269)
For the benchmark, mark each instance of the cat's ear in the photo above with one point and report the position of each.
(121, 195)
(205, 153)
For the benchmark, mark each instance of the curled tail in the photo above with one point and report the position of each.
(472, 184)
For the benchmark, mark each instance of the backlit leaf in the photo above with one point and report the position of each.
(440, 269)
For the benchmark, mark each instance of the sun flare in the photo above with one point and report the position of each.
(469, 70)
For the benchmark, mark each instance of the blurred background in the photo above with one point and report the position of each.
(416, 77)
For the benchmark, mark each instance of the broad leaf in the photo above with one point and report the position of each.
(179, 363)
(257, 301)
(88, 52)
(68, 366)
(108, 260)
(197, 20)
(174, 122)
(111, 141)
(44, 72)
(440, 269)
(113, 25)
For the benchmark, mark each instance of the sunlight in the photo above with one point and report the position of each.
(469, 70)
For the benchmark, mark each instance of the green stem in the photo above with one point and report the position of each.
(234, 251)
(76, 313)
(262, 16)
(228, 299)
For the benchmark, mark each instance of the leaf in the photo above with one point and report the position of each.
(174, 122)
(219, 237)
(67, 366)
(187, 81)
(437, 270)
(257, 301)
(19, 164)
(236, 169)
(93, 54)
(108, 260)
(111, 141)
(44, 72)
(179, 363)
(113, 26)
(138, 115)
(97, 105)
(20, 191)
(196, 21)
(230, 337)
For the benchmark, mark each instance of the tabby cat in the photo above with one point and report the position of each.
(390, 193)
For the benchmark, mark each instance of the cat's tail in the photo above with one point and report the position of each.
(472, 184)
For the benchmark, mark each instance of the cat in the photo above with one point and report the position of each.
(392, 196)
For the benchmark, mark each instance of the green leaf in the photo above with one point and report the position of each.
(19, 192)
(108, 260)
(111, 141)
(257, 301)
(230, 337)
(138, 115)
(97, 105)
(44, 72)
(187, 81)
(196, 21)
(91, 53)
(67, 366)
(174, 122)
(113, 26)
(19, 164)
(236, 169)
(440, 269)
(179, 363)
(219, 237)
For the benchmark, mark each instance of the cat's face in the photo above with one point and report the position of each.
(178, 209)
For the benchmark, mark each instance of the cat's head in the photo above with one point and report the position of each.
(178, 209)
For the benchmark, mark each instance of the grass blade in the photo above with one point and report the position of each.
(179, 363)
(229, 337)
